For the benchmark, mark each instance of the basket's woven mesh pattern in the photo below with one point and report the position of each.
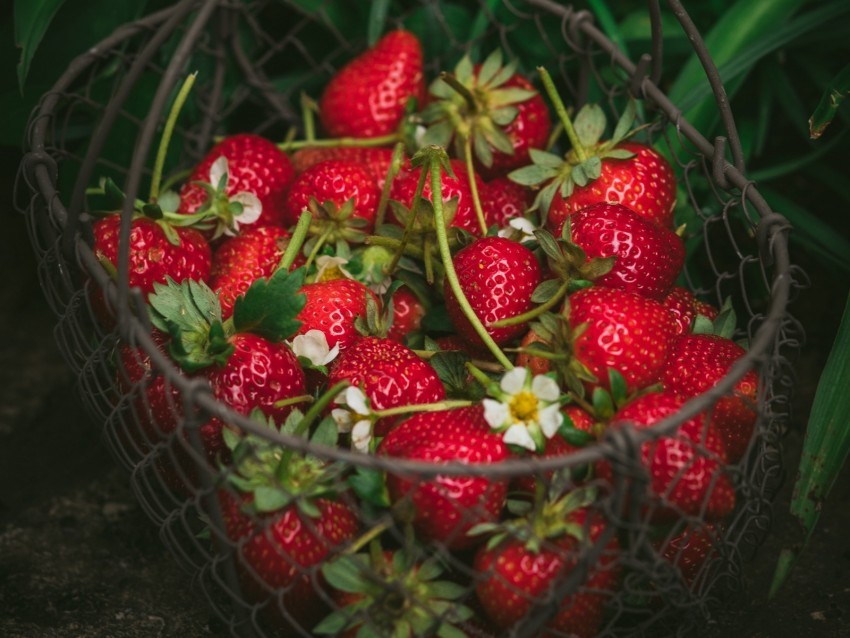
(254, 62)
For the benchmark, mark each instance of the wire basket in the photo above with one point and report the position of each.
(254, 59)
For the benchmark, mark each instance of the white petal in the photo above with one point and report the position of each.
(523, 225)
(513, 381)
(496, 413)
(313, 345)
(327, 263)
(251, 208)
(218, 169)
(550, 419)
(546, 388)
(518, 435)
(356, 400)
(361, 434)
(342, 419)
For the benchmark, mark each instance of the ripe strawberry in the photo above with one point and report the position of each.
(504, 200)
(516, 573)
(332, 307)
(332, 184)
(404, 187)
(241, 260)
(690, 550)
(390, 375)
(376, 159)
(408, 312)
(623, 331)
(498, 277)
(698, 362)
(648, 257)
(684, 307)
(368, 96)
(447, 506)
(685, 468)
(490, 107)
(283, 517)
(255, 165)
(644, 182)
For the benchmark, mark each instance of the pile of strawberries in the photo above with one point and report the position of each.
(529, 310)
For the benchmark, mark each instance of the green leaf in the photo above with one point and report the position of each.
(838, 89)
(270, 306)
(32, 17)
(326, 432)
(332, 624)
(545, 290)
(377, 19)
(369, 485)
(532, 175)
(590, 124)
(544, 158)
(491, 65)
(270, 499)
(346, 573)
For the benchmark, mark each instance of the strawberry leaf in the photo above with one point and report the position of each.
(270, 499)
(590, 124)
(532, 175)
(368, 484)
(326, 433)
(544, 158)
(545, 290)
(270, 306)
(346, 573)
(624, 124)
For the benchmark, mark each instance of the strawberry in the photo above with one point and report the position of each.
(620, 330)
(368, 96)
(332, 184)
(648, 257)
(489, 109)
(685, 307)
(332, 306)
(498, 277)
(520, 569)
(376, 159)
(447, 506)
(698, 362)
(504, 200)
(391, 593)
(390, 375)
(685, 467)
(241, 260)
(284, 516)
(408, 312)
(254, 166)
(596, 171)
(690, 550)
(456, 186)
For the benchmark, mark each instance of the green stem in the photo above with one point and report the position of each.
(341, 142)
(308, 118)
(561, 110)
(448, 266)
(582, 403)
(424, 407)
(301, 398)
(395, 166)
(491, 386)
(174, 178)
(296, 241)
(369, 535)
(167, 132)
(461, 90)
(320, 241)
(411, 221)
(473, 186)
(534, 312)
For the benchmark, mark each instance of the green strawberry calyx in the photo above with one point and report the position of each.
(392, 593)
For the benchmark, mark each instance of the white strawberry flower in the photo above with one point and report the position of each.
(329, 267)
(313, 346)
(249, 205)
(527, 409)
(355, 416)
(519, 229)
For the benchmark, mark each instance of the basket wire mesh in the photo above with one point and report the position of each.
(95, 122)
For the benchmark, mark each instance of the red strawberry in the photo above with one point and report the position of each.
(447, 506)
(644, 182)
(241, 260)
(624, 331)
(684, 306)
(648, 257)
(490, 107)
(390, 375)
(408, 312)
(698, 362)
(332, 307)
(335, 182)
(255, 165)
(685, 467)
(368, 96)
(504, 200)
(404, 189)
(376, 159)
(514, 575)
(498, 277)
(690, 550)
(537, 365)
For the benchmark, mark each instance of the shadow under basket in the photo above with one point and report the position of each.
(630, 574)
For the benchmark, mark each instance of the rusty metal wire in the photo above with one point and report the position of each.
(99, 121)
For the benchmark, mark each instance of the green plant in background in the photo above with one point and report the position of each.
(784, 64)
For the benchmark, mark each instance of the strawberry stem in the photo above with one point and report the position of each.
(461, 90)
(368, 536)
(437, 406)
(561, 110)
(320, 241)
(301, 398)
(299, 234)
(308, 108)
(426, 355)
(534, 312)
(473, 187)
(167, 132)
(411, 222)
(340, 142)
(445, 254)
(395, 165)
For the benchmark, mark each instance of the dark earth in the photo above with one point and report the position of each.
(79, 557)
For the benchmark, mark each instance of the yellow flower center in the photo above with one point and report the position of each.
(524, 406)
(330, 273)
